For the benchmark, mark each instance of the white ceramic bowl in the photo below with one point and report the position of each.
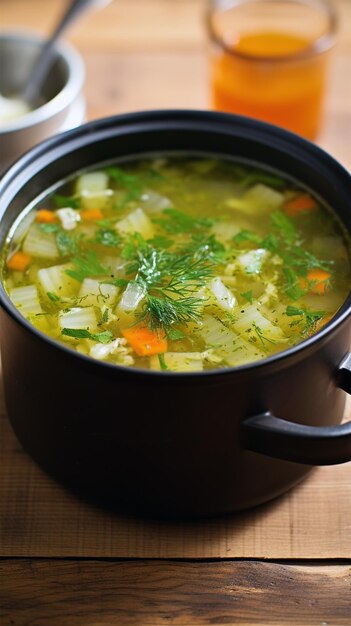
(62, 93)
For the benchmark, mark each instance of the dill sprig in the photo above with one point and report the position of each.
(170, 282)
(165, 312)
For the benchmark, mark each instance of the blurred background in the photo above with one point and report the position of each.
(145, 54)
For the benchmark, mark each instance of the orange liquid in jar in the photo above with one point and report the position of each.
(286, 92)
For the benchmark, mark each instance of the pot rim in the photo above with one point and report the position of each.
(88, 130)
(72, 87)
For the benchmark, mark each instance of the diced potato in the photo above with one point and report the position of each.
(263, 197)
(96, 293)
(78, 317)
(136, 222)
(93, 190)
(40, 244)
(257, 200)
(225, 231)
(55, 280)
(92, 182)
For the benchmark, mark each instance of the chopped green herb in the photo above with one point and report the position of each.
(284, 225)
(293, 310)
(293, 288)
(179, 222)
(266, 179)
(248, 296)
(66, 243)
(311, 317)
(261, 336)
(50, 228)
(66, 201)
(82, 333)
(104, 317)
(160, 241)
(130, 182)
(107, 237)
(247, 235)
(162, 362)
(174, 334)
(52, 296)
(86, 266)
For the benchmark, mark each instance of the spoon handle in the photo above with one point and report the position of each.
(46, 56)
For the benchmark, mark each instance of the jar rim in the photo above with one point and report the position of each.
(320, 45)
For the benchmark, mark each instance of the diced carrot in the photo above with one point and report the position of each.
(301, 204)
(144, 341)
(91, 215)
(19, 262)
(316, 281)
(44, 216)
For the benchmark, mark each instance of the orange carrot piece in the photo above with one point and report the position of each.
(91, 215)
(19, 262)
(144, 341)
(316, 281)
(44, 216)
(301, 204)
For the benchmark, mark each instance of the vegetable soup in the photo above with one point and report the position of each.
(178, 264)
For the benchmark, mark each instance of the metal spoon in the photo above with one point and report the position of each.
(30, 92)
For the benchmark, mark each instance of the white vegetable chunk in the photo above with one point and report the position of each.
(221, 295)
(26, 299)
(97, 293)
(136, 222)
(227, 344)
(257, 200)
(68, 217)
(40, 244)
(55, 280)
(23, 226)
(131, 297)
(251, 262)
(78, 317)
(251, 318)
(263, 197)
(153, 202)
(116, 348)
(93, 190)
(92, 182)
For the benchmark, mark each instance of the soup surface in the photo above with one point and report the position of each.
(178, 264)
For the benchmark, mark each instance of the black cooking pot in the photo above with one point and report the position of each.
(165, 444)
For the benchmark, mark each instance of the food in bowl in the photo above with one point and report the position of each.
(178, 264)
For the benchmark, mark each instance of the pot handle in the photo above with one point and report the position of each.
(311, 445)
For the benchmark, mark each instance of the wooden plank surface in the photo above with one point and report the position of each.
(40, 518)
(90, 593)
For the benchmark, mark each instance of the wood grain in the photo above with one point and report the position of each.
(40, 518)
(88, 593)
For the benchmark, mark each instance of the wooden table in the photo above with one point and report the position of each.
(65, 563)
